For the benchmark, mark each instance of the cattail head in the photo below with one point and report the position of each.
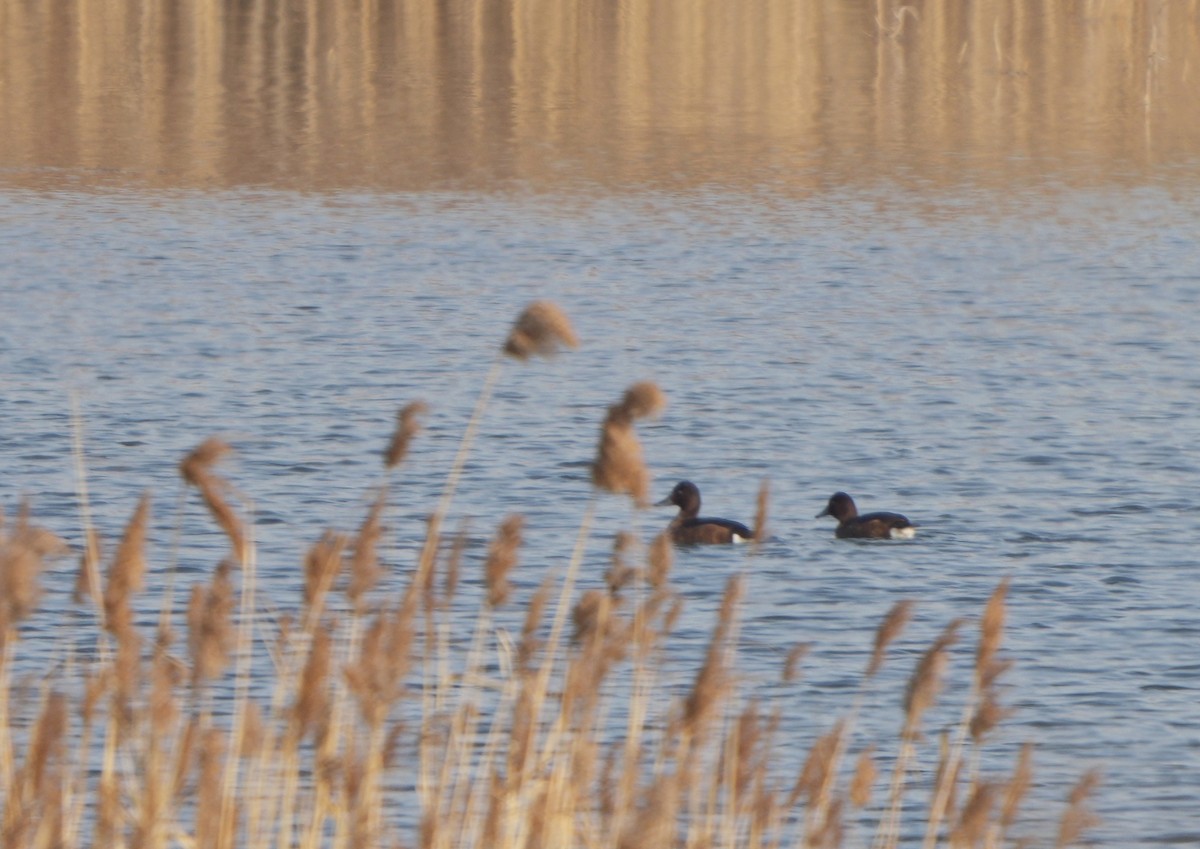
(888, 630)
(502, 558)
(541, 329)
(408, 425)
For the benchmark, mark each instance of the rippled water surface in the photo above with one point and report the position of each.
(1020, 381)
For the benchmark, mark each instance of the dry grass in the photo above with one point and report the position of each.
(371, 723)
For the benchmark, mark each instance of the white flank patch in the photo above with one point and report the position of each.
(903, 533)
(739, 538)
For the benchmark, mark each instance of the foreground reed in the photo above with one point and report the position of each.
(369, 719)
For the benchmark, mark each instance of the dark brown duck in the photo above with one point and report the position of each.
(689, 528)
(868, 526)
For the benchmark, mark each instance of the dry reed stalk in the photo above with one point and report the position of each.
(408, 425)
(982, 710)
(791, 664)
(126, 572)
(619, 467)
(210, 630)
(91, 555)
(1077, 819)
(972, 826)
(502, 559)
(196, 470)
(923, 687)
(865, 773)
(540, 330)
(322, 565)
(365, 570)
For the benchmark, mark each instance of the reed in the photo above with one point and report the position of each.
(557, 721)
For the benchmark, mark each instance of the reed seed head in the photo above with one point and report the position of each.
(22, 557)
(125, 574)
(791, 665)
(200, 460)
(760, 512)
(322, 565)
(976, 816)
(364, 563)
(926, 680)
(865, 773)
(1018, 786)
(991, 632)
(408, 425)
(210, 625)
(889, 629)
(541, 329)
(1077, 818)
(502, 558)
(642, 400)
(662, 555)
(311, 708)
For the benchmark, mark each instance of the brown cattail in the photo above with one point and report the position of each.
(502, 557)
(408, 425)
(926, 680)
(865, 774)
(888, 630)
(364, 563)
(127, 570)
(1077, 819)
(541, 329)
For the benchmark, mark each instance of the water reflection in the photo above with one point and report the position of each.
(409, 94)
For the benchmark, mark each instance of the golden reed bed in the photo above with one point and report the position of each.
(506, 732)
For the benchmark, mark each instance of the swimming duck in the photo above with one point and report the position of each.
(688, 528)
(871, 525)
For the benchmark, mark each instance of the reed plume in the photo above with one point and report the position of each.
(365, 570)
(540, 330)
(196, 469)
(502, 558)
(408, 425)
(127, 570)
(210, 626)
(619, 466)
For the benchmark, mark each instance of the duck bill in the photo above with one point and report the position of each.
(666, 502)
(824, 512)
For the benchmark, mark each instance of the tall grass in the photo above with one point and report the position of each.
(381, 726)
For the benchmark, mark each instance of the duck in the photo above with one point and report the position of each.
(689, 528)
(868, 526)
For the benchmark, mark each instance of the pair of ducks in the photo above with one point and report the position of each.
(689, 528)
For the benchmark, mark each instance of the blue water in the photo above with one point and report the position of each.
(1017, 375)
